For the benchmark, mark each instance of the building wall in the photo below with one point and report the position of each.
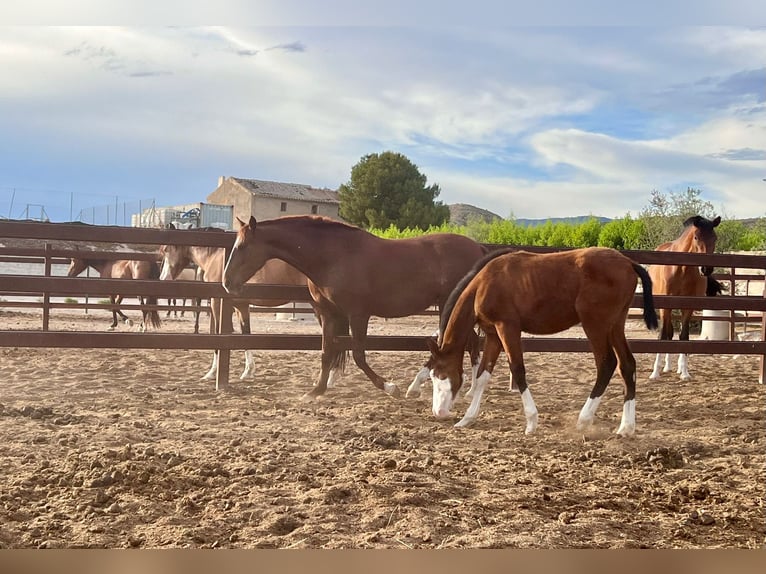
(245, 204)
(271, 208)
(230, 194)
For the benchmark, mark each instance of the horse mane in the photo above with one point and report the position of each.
(449, 305)
(312, 221)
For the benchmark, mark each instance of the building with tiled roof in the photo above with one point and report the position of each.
(271, 199)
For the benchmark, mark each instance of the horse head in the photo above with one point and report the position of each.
(446, 370)
(247, 257)
(175, 258)
(703, 237)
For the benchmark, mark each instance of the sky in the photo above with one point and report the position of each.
(530, 121)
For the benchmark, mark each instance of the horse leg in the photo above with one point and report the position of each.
(511, 339)
(142, 325)
(492, 348)
(666, 334)
(198, 303)
(683, 360)
(332, 357)
(413, 391)
(113, 301)
(606, 363)
(627, 363)
(183, 304)
(358, 327)
(473, 347)
(170, 303)
(243, 313)
(214, 312)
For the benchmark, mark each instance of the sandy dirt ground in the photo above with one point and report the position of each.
(130, 449)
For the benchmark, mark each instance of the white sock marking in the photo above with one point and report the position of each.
(473, 409)
(530, 411)
(588, 412)
(683, 367)
(628, 422)
(413, 390)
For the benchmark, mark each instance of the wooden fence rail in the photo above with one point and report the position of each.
(49, 244)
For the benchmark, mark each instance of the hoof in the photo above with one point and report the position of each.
(464, 422)
(412, 393)
(626, 432)
(392, 390)
(583, 425)
(310, 397)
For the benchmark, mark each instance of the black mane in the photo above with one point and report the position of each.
(449, 305)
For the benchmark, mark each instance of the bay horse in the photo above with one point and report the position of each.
(698, 236)
(510, 292)
(122, 269)
(210, 262)
(354, 275)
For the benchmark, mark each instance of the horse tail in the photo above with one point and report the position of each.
(342, 329)
(714, 287)
(461, 285)
(153, 315)
(650, 313)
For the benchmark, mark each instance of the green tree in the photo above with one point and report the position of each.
(386, 189)
(624, 233)
(665, 215)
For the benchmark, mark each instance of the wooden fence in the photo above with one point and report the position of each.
(49, 243)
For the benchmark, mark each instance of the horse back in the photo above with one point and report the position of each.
(547, 293)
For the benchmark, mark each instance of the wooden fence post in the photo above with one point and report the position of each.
(763, 334)
(46, 295)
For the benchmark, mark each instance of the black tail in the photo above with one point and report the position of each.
(650, 313)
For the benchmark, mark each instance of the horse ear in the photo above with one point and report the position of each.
(240, 222)
(252, 222)
(716, 221)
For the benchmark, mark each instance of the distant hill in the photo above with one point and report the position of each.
(462, 213)
(577, 220)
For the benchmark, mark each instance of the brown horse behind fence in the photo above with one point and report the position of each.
(698, 236)
(122, 269)
(210, 261)
(508, 292)
(354, 275)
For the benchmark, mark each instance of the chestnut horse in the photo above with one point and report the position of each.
(354, 275)
(122, 269)
(210, 260)
(508, 292)
(698, 236)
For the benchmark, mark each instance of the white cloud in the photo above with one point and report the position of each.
(513, 120)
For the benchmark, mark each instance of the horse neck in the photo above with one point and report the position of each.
(685, 242)
(310, 247)
(460, 323)
(210, 260)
